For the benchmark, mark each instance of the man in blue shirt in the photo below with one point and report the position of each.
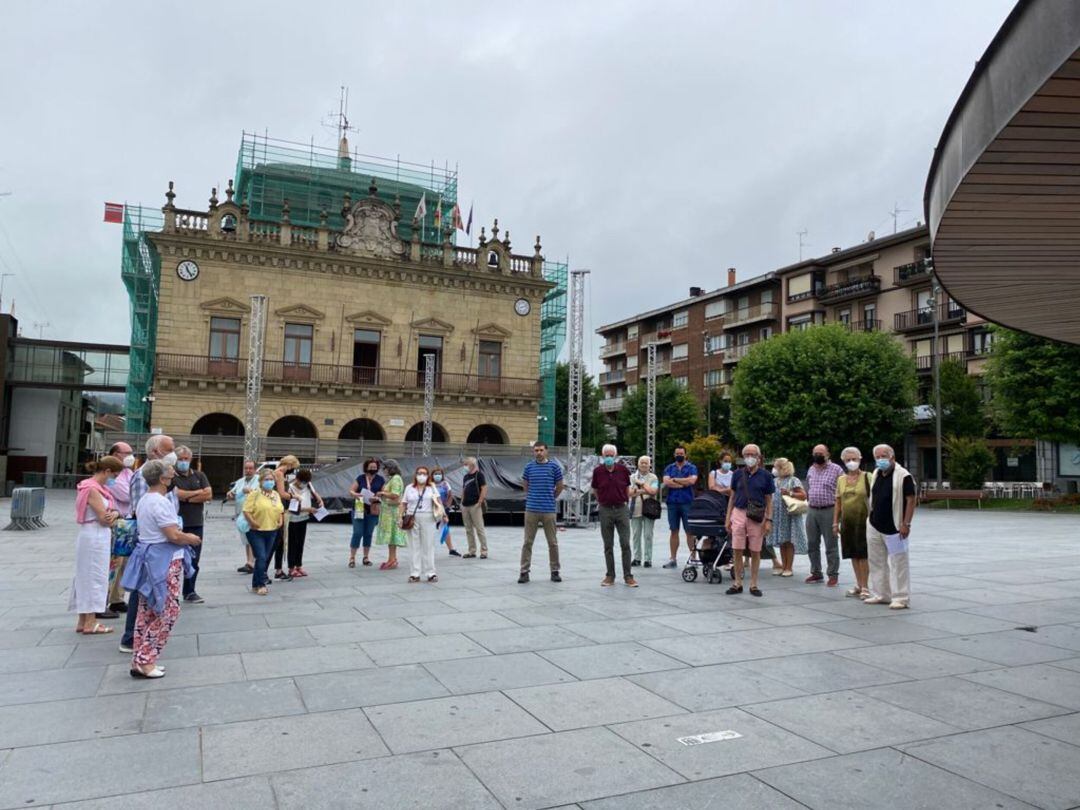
(543, 480)
(679, 480)
(749, 515)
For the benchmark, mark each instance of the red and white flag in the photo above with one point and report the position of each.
(421, 209)
(455, 219)
(114, 212)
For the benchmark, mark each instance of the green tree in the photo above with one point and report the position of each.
(962, 409)
(824, 384)
(704, 452)
(678, 417)
(593, 430)
(1035, 386)
(967, 462)
(718, 416)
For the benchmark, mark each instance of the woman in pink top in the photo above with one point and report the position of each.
(95, 512)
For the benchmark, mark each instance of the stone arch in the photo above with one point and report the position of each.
(487, 434)
(366, 429)
(218, 424)
(438, 433)
(293, 427)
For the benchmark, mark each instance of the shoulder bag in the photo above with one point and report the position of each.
(407, 520)
(755, 510)
(650, 507)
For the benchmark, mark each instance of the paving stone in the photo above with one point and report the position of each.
(451, 721)
(591, 703)
(50, 684)
(1056, 635)
(606, 660)
(55, 773)
(29, 659)
(806, 639)
(609, 631)
(1051, 684)
(234, 794)
(266, 746)
(67, 720)
(363, 630)
(714, 687)
(998, 648)
(424, 648)
(784, 615)
(916, 660)
(742, 791)
(717, 648)
(956, 622)
(402, 609)
(882, 778)
(1069, 663)
(216, 620)
(1065, 728)
(461, 622)
(496, 672)
(281, 638)
(527, 639)
(304, 661)
(467, 603)
(309, 617)
(557, 614)
(623, 603)
(885, 630)
(96, 655)
(1019, 763)
(225, 703)
(849, 721)
(434, 779)
(565, 767)
(181, 673)
(760, 744)
(368, 687)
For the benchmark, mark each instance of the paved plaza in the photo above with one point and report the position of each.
(353, 688)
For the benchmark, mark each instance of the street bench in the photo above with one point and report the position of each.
(947, 495)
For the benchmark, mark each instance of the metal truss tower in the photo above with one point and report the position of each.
(574, 516)
(256, 337)
(429, 400)
(650, 406)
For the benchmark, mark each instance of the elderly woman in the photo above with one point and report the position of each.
(156, 569)
(264, 513)
(849, 519)
(643, 485)
(788, 531)
(421, 502)
(284, 475)
(96, 514)
(390, 532)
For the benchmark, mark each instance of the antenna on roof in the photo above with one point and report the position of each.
(340, 122)
(802, 244)
(895, 214)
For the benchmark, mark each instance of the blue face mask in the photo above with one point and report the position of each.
(436, 478)
(726, 466)
(110, 482)
(268, 485)
(882, 463)
(183, 466)
(609, 461)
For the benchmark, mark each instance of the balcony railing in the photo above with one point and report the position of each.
(738, 317)
(923, 317)
(611, 377)
(187, 366)
(733, 354)
(611, 404)
(612, 349)
(911, 273)
(863, 326)
(926, 362)
(855, 288)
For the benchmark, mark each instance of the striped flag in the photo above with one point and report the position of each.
(114, 212)
(455, 219)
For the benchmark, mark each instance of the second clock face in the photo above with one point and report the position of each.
(187, 270)
(522, 307)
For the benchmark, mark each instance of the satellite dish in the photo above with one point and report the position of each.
(870, 236)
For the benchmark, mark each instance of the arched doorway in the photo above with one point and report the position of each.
(416, 433)
(366, 429)
(218, 424)
(293, 427)
(486, 434)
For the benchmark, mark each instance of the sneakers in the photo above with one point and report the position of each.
(523, 579)
(119, 607)
(833, 580)
(108, 614)
(607, 582)
(856, 591)
(469, 556)
(631, 582)
(897, 604)
(814, 578)
(194, 598)
(126, 648)
(876, 600)
(648, 563)
(634, 563)
(455, 553)
(555, 576)
(671, 564)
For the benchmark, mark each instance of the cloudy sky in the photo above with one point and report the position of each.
(654, 143)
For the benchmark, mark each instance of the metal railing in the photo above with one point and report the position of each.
(863, 326)
(923, 317)
(849, 289)
(609, 349)
(737, 317)
(733, 354)
(912, 272)
(611, 404)
(926, 361)
(610, 377)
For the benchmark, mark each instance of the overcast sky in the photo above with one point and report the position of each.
(655, 143)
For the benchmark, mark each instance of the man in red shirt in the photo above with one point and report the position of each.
(611, 488)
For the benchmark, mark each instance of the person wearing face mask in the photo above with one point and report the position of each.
(365, 515)
(644, 485)
(720, 478)
(390, 533)
(821, 481)
(473, 498)
(284, 475)
(446, 496)
(788, 533)
(679, 480)
(239, 491)
(192, 490)
(421, 501)
(891, 505)
(304, 503)
(96, 514)
(265, 514)
(849, 519)
(121, 492)
(749, 516)
(611, 488)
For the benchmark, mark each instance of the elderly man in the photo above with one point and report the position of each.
(240, 489)
(821, 481)
(611, 488)
(192, 490)
(158, 447)
(121, 492)
(892, 505)
(679, 480)
(748, 515)
(474, 490)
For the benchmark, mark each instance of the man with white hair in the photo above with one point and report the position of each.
(749, 516)
(611, 488)
(892, 505)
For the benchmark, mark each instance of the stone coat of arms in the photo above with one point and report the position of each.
(371, 229)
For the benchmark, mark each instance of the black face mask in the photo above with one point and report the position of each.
(819, 458)
(680, 459)
(372, 472)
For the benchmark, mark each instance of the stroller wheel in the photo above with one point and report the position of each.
(689, 574)
(716, 576)
(706, 572)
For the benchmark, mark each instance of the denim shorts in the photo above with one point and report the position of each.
(677, 512)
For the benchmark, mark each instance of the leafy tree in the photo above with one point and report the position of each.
(593, 430)
(962, 409)
(718, 416)
(678, 417)
(704, 451)
(824, 384)
(1035, 386)
(967, 462)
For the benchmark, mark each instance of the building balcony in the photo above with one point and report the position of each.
(723, 389)
(663, 367)
(612, 349)
(913, 273)
(185, 368)
(733, 354)
(863, 326)
(659, 336)
(923, 318)
(925, 363)
(761, 312)
(612, 377)
(611, 405)
(846, 290)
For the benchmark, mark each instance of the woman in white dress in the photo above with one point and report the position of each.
(96, 514)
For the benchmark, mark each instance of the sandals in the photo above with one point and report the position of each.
(755, 592)
(154, 673)
(388, 566)
(734, 589)
(367, 561)
(433, 578)
(97, 630)
(261, 591)
(414, 579)
(483, 556)
(352, 563)
(245, 569)
(469, 556)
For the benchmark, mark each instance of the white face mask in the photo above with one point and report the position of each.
(169, 459)
(750, 461)
(852, 465)
(775, 473)
(129, 462)
(421, 479)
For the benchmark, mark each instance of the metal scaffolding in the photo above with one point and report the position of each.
(650, 406)
(256, 335)
(574, 516)
(429, 400)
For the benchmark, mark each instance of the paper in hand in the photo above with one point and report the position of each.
(320, 513)
(895, 544)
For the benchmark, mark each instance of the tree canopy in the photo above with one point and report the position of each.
(1035, 385)
(825, 384)
(593, 430)
(962, 410)
(678, 417)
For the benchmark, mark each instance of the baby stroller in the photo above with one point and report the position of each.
(708, 513)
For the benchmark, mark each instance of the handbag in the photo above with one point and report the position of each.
(650, 508)
(755, 510)
(125, 534)
(795, 506)
(407, 520)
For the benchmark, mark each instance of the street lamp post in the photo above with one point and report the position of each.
(708, 389)
(936, 360)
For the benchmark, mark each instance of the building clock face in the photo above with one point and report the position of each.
(522, 307)
(187, 270)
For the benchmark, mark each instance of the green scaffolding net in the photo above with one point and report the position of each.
(140, 268)
(552, 338)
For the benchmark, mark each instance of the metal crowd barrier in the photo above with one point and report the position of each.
(27, 509)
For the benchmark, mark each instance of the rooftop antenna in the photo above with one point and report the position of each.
(802, 244)
(895, 214)
(340, 122)
(41, 326)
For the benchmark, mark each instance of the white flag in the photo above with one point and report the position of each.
(421, 209)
